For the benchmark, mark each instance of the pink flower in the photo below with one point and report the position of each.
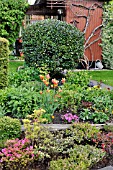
(31, 147)
(11, 159)
(32, 155)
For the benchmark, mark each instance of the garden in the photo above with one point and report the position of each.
(47, 91)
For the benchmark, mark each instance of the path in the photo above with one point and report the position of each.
(102, 85)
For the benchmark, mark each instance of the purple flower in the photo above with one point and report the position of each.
(69, 117)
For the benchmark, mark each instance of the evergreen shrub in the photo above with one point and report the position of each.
(52, 43)
(4, 54)
(9, 129)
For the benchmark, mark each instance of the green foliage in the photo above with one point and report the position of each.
(11, 16)
(75, 79)
(81, 131)
(54, 43)
(24, 75)
(9, 128)
(107, 35)
(96, 116)
(80, 157)
(19, 102)
(4, 55)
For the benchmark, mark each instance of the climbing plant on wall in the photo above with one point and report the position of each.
(11, 15)
(107, 35)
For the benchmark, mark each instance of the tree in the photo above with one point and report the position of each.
(12, 13)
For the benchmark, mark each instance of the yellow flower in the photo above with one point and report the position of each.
(26, 121)
(52, 117)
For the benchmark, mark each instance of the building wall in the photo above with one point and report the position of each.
(87, 16)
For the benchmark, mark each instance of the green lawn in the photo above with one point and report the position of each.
(13, 65)
(105, 76)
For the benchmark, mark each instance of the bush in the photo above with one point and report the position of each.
(81, 157)
(53, 43)
(4, 53)
(19, 154)
(9, 128)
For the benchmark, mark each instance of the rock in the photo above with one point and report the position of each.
(107, 168)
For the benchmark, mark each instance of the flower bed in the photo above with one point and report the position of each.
(39, 99)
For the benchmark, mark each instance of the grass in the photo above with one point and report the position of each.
(106, 76)
(13, 65)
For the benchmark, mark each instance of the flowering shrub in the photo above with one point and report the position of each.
(69, 117)
(19, 153)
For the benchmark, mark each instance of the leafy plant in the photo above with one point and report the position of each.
(95, 116)
(24, 75)
(108, 128)
(19, 102)
(10, 22)
(52, 46)
(77, 79)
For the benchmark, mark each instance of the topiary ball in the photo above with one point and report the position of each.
(53, 43)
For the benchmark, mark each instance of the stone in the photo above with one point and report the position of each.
(107, 168)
